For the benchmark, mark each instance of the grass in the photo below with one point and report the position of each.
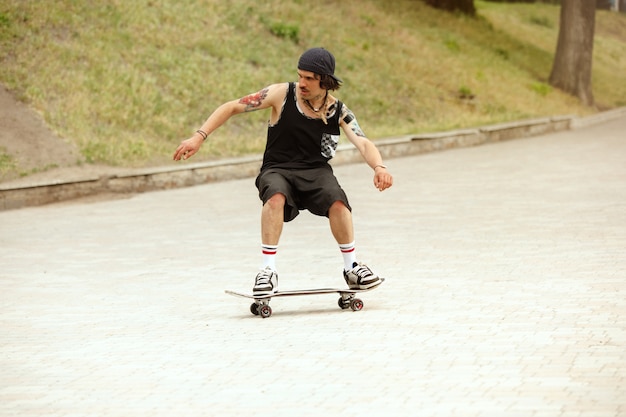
(7, 163)
(127, 81)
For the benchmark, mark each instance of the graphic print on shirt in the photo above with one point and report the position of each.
(329, 145)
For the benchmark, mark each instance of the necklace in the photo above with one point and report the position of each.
(316, 110)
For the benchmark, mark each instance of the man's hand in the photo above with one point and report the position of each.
(382, 179)
(188, 148)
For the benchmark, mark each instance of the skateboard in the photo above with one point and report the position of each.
(347, 299)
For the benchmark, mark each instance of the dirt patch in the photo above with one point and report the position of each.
(26, 138)
(35, 153)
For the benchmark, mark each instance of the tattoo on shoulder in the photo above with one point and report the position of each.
(350, 119)
(254, 101)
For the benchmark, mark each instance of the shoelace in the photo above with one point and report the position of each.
(263, 277)
(363, 271)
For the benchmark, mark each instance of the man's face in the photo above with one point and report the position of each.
(309, 84)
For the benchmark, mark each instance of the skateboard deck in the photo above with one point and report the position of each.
(347, 298)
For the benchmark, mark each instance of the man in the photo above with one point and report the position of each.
(302, 137)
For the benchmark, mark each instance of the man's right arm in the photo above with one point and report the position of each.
(271, 96)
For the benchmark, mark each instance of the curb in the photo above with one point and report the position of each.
(152, 179)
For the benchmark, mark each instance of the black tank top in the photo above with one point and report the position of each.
(298, 141)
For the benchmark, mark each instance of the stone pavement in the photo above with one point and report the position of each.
(506, 295)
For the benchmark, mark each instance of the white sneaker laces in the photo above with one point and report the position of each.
(264, 277)
(362, 271)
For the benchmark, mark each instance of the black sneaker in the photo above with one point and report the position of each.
(360, 277)
(266, 282)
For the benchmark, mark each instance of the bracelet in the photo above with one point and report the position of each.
(381, 166)
(203, 134)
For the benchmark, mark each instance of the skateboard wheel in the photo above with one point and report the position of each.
(343, 304)
(265, 311)
(254, 309)
(356, 305)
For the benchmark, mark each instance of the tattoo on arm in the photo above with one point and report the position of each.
(254, 101)
(350, 119)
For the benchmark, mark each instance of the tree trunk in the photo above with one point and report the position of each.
(571, 71)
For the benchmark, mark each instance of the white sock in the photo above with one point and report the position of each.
(269, 256)
(349, 255)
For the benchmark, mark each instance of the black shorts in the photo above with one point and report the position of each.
(314, 189)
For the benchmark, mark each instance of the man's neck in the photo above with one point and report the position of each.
(317, 103)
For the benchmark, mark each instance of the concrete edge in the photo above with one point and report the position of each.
(163, 178)
(580, 122)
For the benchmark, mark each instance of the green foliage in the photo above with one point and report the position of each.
(4, 20)
(285, 30)
(7, 163)
(502, 53)
(452, 44)
(465, 92)
(368, 20)
(541, 21)
(127, 80)
(540, 88)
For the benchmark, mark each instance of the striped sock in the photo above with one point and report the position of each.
(349, 255)
(269, 255)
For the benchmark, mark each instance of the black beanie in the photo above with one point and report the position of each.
(319, 61)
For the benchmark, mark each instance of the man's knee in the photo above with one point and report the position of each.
(276, 202)
(339, 205)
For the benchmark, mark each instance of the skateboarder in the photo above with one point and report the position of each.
(302, 136)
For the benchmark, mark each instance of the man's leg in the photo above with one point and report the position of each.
(357, 275)
(272, 218)
(341, 226)
(341, 223)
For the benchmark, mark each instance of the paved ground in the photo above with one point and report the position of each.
(506, 295)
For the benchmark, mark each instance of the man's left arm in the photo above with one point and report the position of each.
(348, 122)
